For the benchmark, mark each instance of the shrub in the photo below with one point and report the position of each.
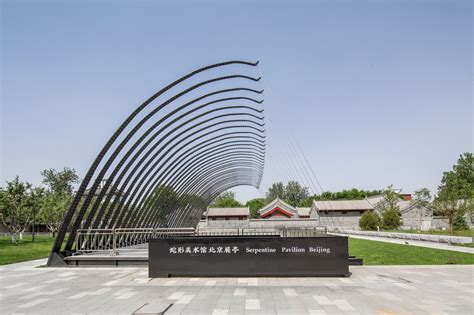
(460, 223)
(369, 221)
(391, 220)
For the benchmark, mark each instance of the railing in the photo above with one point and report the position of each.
(236, 232)
(116, 240)
(306, 231)
(122, 239)
(285, 231)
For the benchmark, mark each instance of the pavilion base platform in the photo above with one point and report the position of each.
(131, 260)
(136, 255)
(106, 260)
(115, 254)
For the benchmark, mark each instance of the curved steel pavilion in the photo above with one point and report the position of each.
(187, 143)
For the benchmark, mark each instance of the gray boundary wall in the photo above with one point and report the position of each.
(258, 223)
(410, 220)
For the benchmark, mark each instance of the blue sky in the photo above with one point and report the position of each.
(376, 92)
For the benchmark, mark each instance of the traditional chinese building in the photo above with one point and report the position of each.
(215, 214)
(333, 214)
(278, 209)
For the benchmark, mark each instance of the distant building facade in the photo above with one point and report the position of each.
(226, 214)
(333, 214)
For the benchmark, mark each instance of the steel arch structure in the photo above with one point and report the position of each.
(187, 143)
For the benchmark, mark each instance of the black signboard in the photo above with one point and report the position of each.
(248, 256)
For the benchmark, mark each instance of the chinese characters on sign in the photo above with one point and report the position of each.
(204, 250)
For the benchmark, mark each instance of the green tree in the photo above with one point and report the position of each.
(422, 198)
(58, 196)
(53, 209)
(60, 182)
(354, 194)
(37, 197)
(391, 220)
(226, 200)
(16, 201)
(390, 202)
(460, 224)
(308, 202)
(456, 192)
(389, 209)
(447, 205)
(277, 190)
(295, 193)
(461, 178)
(369, 221)
(255, 205)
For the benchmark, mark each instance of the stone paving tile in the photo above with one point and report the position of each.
(252, 304)
(370, 290)
(240, 292)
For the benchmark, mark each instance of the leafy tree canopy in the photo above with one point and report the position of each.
(460, 180)
(456, 192)
(351, 194)
(390, 202)
(422, 197)
(58, 196)
(226, 200)
(60, 182)
(369, 221)
(460, 223)
(276, 190)
(293, 193)
(17, 200)
(391, 219)
(255, 205)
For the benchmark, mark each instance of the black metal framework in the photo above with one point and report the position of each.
(173, 155)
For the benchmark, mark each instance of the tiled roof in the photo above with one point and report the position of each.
(406, 205)
(217, 212)
(374, 200)
(277, 203)
(329, 205)
(303, 211)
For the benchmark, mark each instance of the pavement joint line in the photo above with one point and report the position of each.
(176, 295)
(15, 285)
(185, 299)
(34, 303)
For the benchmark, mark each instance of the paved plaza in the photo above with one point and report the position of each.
(24, 288)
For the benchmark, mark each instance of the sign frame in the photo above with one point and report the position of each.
(248, 256)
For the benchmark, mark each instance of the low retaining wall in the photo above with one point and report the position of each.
(416, 237)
